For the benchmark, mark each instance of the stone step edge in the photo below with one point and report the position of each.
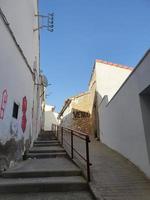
(45, 141)
(46, 151)
(28, 174)
(46, 155)
(35, 185)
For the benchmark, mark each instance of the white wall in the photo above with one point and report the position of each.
(109, 78)
(50, 118)
(21, 16)
(66, 118)
(15, 76)
(121, 120)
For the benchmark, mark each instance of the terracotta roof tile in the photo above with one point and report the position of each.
(114, 64)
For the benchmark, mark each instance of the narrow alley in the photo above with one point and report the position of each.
(47, 174)
(74, 100)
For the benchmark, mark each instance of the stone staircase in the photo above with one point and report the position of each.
(47, 173)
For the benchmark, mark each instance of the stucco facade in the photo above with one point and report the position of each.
(124, 120)
(20, 82)
(106, 78)
(51, 117)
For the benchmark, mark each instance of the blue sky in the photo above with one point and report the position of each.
(114, 30)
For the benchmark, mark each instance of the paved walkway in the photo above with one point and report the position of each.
(47, 196)
(114, 177)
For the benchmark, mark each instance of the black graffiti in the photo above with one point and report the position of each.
(80, 114)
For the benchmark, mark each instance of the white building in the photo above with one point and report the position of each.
(106, 79)
(51, 117)
(124, 117)
(124, 121)
(20, 79)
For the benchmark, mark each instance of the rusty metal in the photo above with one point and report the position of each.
(87, 158)
(62, 136)
(56, 131)
(79, 132)
(71, 144)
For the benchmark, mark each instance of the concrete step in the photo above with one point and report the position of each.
(46, 184)
(46, 137)
(47, 155)
(46, 142)
(45, 134)
(80, 195)
(43, 139)
(43, 168)
(50, 149)
(46, 145)
(35, 174)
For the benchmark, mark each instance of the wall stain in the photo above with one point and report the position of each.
(3, 104)
(10, 151)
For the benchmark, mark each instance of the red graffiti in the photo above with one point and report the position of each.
(3, 104)
(24, 110)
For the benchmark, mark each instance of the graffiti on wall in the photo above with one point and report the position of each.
(3, 104)
(24, 110)
(80, 114)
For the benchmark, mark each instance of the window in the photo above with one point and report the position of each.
(15, 110)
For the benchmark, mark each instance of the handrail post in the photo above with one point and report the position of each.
(71, 144)
(87, 158)
(54, 128)
(62, 136)
(57, 131)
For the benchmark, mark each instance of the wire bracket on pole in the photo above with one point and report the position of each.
(46, 22)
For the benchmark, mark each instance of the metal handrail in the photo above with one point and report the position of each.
(78, 134)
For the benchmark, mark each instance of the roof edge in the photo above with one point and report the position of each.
(114, 64)
(133, 71)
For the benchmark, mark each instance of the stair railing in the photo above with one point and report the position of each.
(68, 136)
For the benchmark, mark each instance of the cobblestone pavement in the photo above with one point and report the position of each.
(114, 177)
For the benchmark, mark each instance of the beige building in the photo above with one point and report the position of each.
(76, 114)
(81, 112)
